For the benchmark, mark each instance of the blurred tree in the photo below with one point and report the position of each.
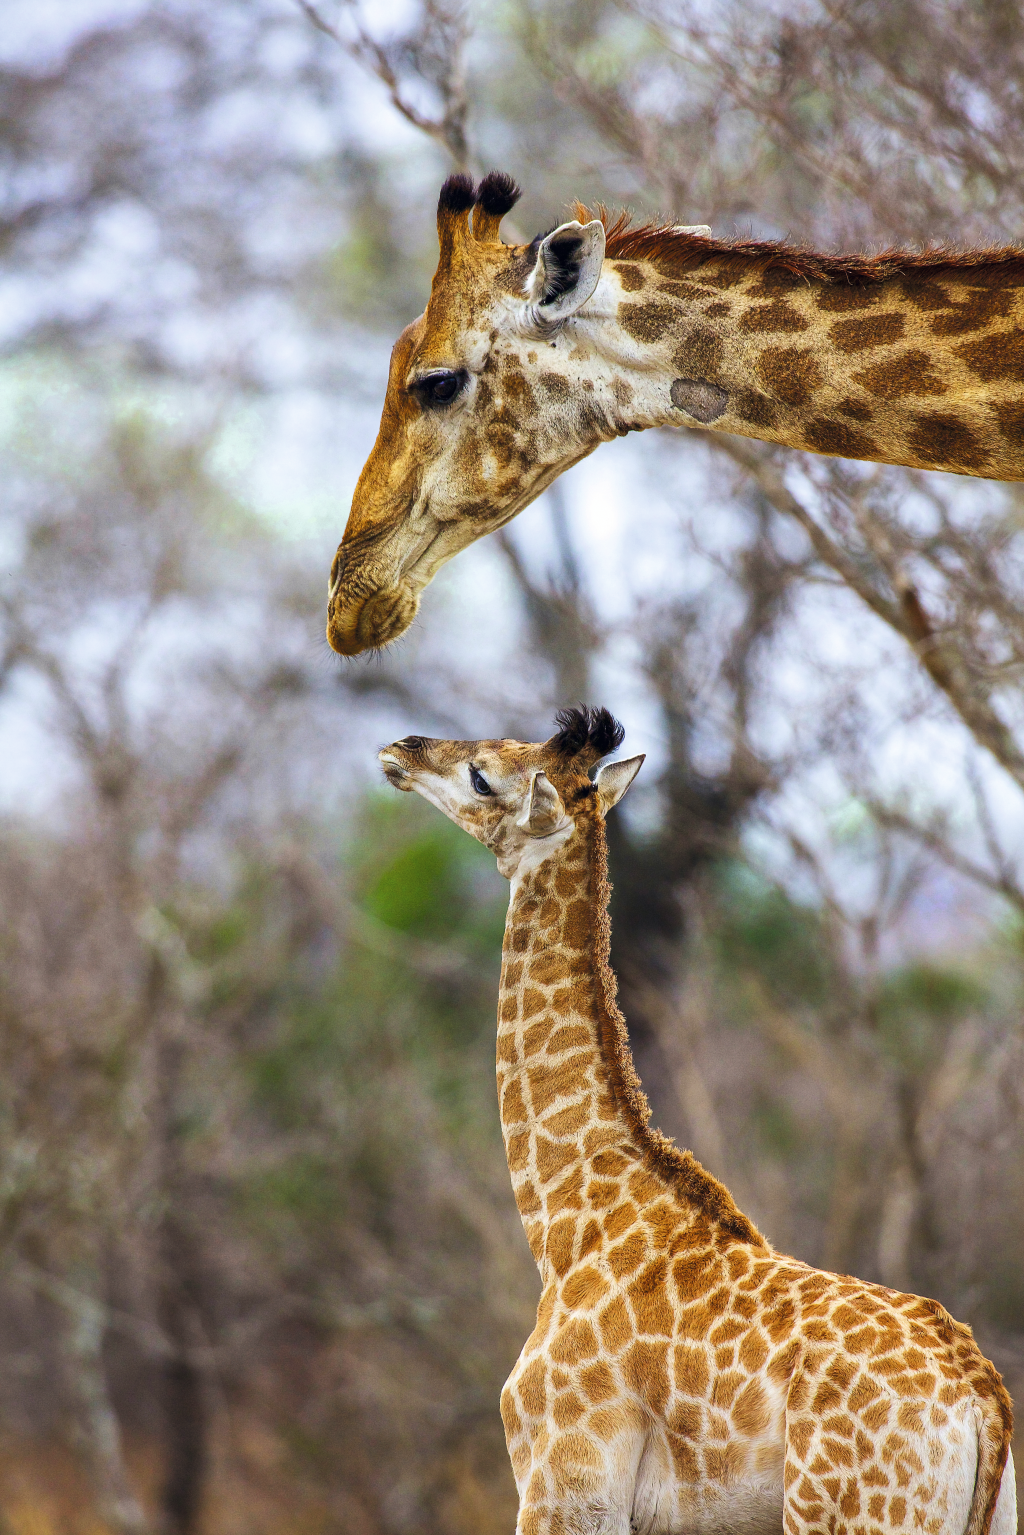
(259, 1250)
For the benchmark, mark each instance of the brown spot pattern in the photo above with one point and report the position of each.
(791, 373)
(631, 276)
(1011, 421)
(555, 386)
(762, 319)
(840, 298)
(857, 410)
(871, 330)
(700, 353)
(995, 357)
(943, 439)
(647, 322)
(975, 312)
(758, 409)
(824, 435)
(904, 373)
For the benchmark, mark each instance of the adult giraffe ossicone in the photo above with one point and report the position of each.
(683, 1378)
(529, 356)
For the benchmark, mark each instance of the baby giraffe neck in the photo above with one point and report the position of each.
(582, 1156)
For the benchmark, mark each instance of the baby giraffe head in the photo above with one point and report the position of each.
(520, 800)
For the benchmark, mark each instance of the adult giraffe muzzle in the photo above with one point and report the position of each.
(527, 357)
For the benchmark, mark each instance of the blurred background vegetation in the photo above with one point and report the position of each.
(260, 1267)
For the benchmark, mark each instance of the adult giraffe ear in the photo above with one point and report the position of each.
(567, 270)
(614, 779)
(543, 811)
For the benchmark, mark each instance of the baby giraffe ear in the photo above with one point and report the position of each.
(543, 811)
(568, 270)
(613, 781)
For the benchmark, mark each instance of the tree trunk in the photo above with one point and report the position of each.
(184, 1395)
(186, 1417)
(97, 1423)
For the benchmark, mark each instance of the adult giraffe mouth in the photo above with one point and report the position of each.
(377, 621)
(388, 608)
(376, 586)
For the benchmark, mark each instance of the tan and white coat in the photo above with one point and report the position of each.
(682, 1375)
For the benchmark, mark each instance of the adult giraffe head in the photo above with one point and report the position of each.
(465, 441)
(529, 356)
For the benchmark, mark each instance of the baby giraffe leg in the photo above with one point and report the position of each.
(1004, 1520)
(585, 1517)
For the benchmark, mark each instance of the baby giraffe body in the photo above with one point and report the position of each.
(682, 1375)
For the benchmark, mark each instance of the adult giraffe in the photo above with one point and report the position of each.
(529, 356)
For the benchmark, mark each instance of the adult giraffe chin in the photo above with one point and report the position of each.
(529, 356)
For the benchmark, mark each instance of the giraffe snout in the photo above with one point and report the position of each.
(379, 619)
(396, 775)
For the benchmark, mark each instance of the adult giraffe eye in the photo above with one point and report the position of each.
(440, 388)
(479, 782)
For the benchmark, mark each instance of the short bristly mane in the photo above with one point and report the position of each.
(680, 1169)
(585, 731)
(674, 252)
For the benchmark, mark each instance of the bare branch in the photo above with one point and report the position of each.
(938, 650)
(440, 41)
(1001, 882)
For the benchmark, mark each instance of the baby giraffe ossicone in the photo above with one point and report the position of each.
(683, 1378)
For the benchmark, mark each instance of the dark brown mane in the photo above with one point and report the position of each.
(675, 253)
(680, 1169)
(587, 732)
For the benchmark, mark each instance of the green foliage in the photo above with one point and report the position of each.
(917, 1006)
(419, 890)
(379, 274)
(763, 929)
(359, 1032)
(777, 1125)
(306, 1186)
(929, 991)
(418, 873)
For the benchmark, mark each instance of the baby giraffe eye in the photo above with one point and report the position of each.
(479, 782)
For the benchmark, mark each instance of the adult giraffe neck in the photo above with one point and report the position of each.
(581, 1152)
(917, 364)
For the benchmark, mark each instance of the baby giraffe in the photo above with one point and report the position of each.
(683, 1378)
